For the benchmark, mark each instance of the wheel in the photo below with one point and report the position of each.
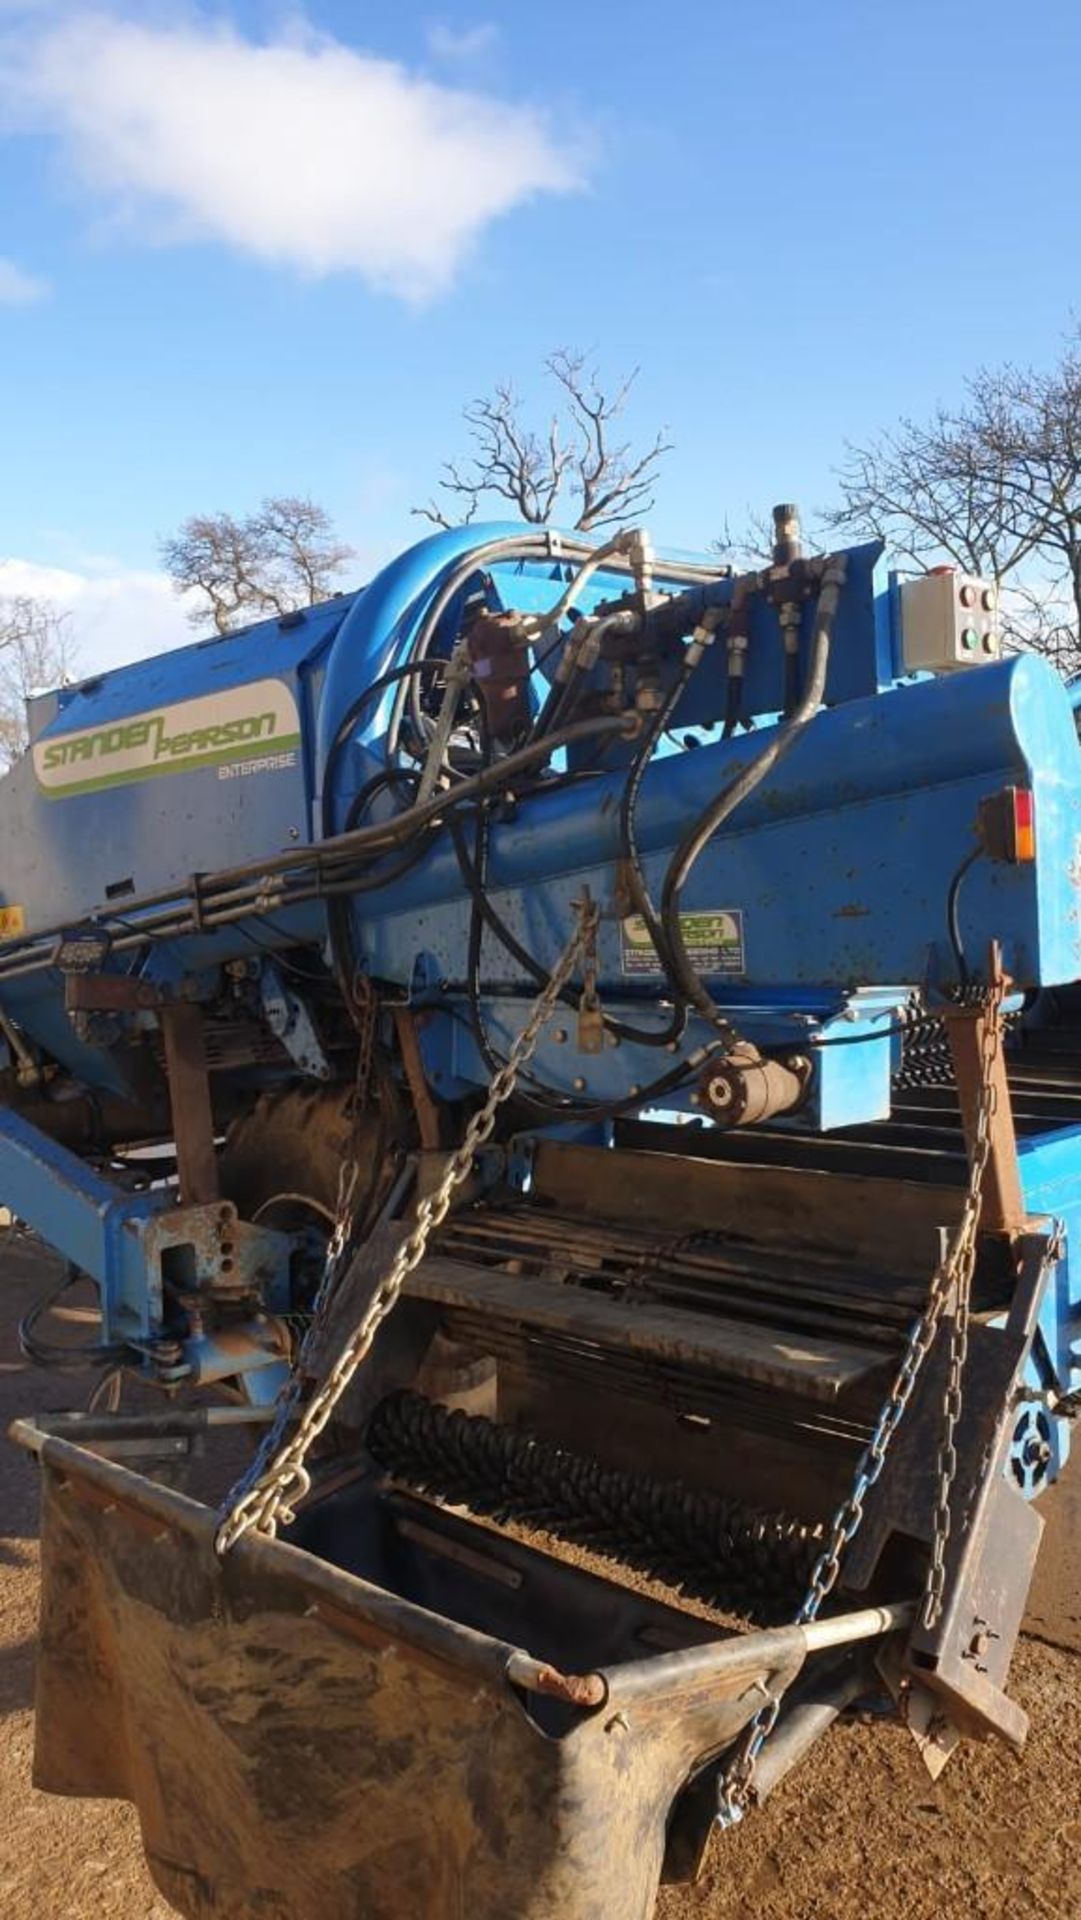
(281, 1166)
(282, 1161)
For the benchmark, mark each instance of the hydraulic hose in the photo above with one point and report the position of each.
(393, 678)
(46, 1353)
(237, 892)
(720, 810)
(635, 873)
(617, 553)
(474, 878)
(509, 548)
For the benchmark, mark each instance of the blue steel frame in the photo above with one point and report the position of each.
(839, 868)
(121, 1240)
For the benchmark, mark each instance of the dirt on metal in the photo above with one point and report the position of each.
(858, 1833)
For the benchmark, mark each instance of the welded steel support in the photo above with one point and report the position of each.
(86, 994)
(189, 1094)
(94, 1223)
(405, 1026)
(1003, 1209)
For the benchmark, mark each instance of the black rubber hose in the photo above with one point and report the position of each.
(525, 546)
(646, 1037)
(384, 875)
(71, 1359)
(733, 700)
(544, 1100)
(635, 873)
(393, 677)
(339, 923)
(720, 810)
(394, 832)
(791, 684)
(953, 922)
(237, 892)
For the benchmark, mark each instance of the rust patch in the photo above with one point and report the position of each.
(578, 1689)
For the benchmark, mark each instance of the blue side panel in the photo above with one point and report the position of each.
(840, 864)
(68, 852)
(269, 647)
(1050, 1166)
(864, 654)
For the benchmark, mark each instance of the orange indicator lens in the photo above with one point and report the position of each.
(1024, 825)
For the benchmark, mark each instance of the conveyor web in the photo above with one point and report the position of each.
(743, 1321)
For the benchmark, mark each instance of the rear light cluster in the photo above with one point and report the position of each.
(1008, 825)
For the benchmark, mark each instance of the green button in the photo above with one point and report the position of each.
(969, 639)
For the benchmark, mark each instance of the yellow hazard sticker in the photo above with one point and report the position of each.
(714, 943)
(12, 921)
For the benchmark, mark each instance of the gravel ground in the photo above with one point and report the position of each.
(858, 1834)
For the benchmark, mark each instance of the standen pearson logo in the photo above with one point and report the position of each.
(231, 725)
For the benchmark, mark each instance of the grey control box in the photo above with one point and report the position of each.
(948, 619)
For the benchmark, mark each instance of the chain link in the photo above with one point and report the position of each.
(365, 1014)
(291, 1393)
(280, 1479)
(590, 1012)
(962, 1266)
(952, 1279)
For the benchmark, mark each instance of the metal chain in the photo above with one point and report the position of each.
(281, 1484)
(365, 1011)
(291, 1393)
(962, 1269)
(952, 1278)
(338, 1245)
(590, 1012)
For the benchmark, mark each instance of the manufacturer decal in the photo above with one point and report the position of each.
(235, 725)
(714, 943)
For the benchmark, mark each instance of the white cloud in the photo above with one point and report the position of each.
(116, 617)
(17, 287)
(301, 151)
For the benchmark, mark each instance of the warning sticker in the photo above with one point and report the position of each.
(714, 943)
(12, 921)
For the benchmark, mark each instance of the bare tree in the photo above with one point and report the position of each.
(285, 555)
(994, 486)
(575, 458)
(36, 653)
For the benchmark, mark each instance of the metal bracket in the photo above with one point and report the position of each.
(290, 1022)
(1003, 1208)
(428, 1120)
(965, 1656)
(185, 1065)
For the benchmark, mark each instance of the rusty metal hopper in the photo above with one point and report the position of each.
(301, 1741)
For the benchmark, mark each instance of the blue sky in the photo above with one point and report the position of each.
(249, 249)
